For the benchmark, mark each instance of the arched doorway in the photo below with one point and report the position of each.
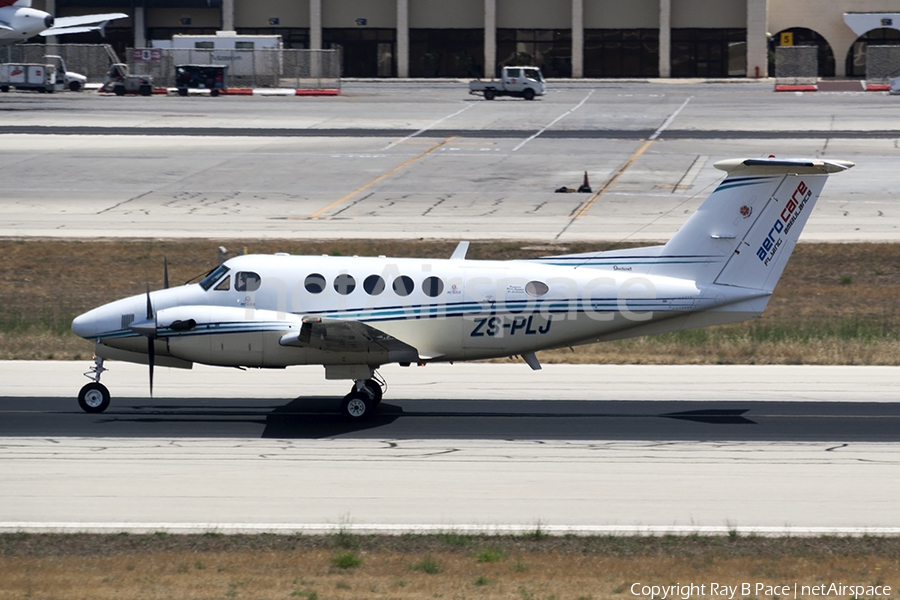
(805, 37)
(856, 55)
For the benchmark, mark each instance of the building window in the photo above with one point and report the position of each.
(446, 53)
(700, 52)
(549, 49)
(621, 53)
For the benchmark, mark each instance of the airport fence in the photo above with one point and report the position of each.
(796, 65)
(91, 60)
(882, 64)
(257, 68)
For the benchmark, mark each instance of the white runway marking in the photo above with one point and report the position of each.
(427, 127)
(554, 121)
(668, 121)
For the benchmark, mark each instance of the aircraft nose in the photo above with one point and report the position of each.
(85, 326)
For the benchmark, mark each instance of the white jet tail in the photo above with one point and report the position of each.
(744, 233)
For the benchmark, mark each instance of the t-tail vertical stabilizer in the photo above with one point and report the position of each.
(743, 234)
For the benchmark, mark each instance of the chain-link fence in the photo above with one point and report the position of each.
(882, 64)
(259, 68)
(796, 65)
(91, 60)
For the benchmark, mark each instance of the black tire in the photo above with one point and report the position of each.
(182, 91)
(377, 391)
(528, 94)
(146, 90)
(93, 398)
(213, 92)
(119, 90)
(357, 407)
(4, 88)
(74, 86)
(489, 94)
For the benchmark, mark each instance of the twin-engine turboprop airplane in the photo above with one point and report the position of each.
(18, 21)
(353, 314)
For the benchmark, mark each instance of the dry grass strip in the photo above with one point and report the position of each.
(342, 566)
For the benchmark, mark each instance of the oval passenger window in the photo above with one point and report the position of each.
(344, 284)
(433, 286)
(315, 283)
(373, 285)
(403, 286)
(536, 288)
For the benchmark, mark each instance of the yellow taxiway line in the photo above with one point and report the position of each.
(379, 179)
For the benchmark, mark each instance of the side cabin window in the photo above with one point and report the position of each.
(314, 283)
(512, 73)
(433, 286)
(403, 286)
(536, 288)
(246, 281)
(244, 45)
(204, 45)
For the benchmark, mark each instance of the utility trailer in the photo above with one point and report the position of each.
(520, 82)
(47, 78)
(27, 76)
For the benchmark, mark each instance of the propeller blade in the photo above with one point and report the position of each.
(165, 272)
(149, 304)
(151, 355)
(151, 350)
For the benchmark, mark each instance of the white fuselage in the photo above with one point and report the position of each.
(446, 310)
(24, 22)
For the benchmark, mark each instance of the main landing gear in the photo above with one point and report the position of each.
(363, 399)
(94, 397)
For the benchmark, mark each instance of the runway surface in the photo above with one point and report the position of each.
(491, 447)
(404, 160)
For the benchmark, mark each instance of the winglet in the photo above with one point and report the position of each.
(460, 252)
(532, 361)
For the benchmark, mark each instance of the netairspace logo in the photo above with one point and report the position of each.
(723, 590)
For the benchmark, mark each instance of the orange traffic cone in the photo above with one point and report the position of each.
(585, 187)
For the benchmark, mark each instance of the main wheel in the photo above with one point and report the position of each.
(357, 406)
(182, 91)
(74, 86)
(489, 94)
(528, 94)
(119, 90)
(93, 398)
(146, 90)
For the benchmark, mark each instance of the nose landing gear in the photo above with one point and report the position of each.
(94, 397)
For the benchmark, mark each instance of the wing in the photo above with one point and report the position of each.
(338, 335)
(81, 24)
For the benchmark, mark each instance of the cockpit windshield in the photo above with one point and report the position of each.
(213, 277)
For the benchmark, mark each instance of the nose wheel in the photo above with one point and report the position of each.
(94, 397)
(363, 399)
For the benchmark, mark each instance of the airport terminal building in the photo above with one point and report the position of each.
(566, 38)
